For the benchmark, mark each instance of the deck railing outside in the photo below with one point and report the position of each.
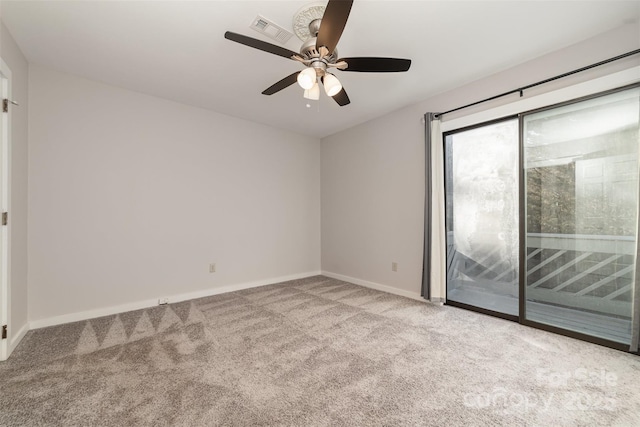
(585, 272)
(588, 272)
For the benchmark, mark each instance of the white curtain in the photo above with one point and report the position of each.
(438, 241)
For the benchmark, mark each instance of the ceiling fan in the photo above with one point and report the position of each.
(318, 54)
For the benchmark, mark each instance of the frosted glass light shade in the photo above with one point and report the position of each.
(307, 78)
(313, 93)
(331, 84)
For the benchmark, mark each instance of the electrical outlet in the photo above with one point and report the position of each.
(212, 267)
(163, 301)
(394, 266)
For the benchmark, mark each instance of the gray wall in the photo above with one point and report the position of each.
(132, 196)
(373, 174)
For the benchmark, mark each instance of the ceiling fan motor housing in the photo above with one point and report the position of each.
(310, 52)
(314, 27)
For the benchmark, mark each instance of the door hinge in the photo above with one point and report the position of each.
(4, 332)
(5, 104)
(5, 218)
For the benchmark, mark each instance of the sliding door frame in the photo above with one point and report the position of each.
(481, 310)
(523, 229)
(522, 318)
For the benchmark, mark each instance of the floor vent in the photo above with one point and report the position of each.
(271, 30)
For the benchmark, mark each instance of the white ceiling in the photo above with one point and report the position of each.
(176, 49)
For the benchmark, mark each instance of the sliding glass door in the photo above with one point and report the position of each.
(581, 186)
(542, 216)
(482, 216)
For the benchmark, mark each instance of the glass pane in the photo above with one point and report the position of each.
(482, 217)
(581, 180)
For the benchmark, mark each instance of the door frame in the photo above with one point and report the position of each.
(600, 86)
(523, 212)
(446, 134)
(5, 265)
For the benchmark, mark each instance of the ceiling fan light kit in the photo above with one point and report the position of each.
(318, 52)
(313, 93)
(307, 78)
(331, 85)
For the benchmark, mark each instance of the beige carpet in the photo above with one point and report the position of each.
(313, 352)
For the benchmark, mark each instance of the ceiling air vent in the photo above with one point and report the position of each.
(271, 30)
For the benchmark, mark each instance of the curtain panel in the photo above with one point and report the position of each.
(435, 251)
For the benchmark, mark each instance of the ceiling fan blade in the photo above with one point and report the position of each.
(341, 98)
(376, 65)
(333, 22)
(282, 84)
(260, 45)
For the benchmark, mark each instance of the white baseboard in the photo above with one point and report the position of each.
(17, 337)
(107, 311)
(376, 286)
(7, 346)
